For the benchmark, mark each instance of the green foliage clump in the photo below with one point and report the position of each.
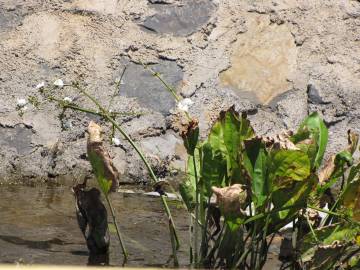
(273, 182)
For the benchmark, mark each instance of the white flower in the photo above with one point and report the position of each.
(116, 141)
(59, 83)
(119, 81)
(67, 99)
(40, 85)
(184, 104)
(21, 102)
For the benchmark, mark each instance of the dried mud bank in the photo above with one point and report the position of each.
(276, 60)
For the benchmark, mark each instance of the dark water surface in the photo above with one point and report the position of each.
(38, 226)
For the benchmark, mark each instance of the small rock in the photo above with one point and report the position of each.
(314, 96)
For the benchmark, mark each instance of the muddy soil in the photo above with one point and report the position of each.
(277, 60)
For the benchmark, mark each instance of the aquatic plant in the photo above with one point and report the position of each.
(50, 94)
(261, 184)
(241, 190)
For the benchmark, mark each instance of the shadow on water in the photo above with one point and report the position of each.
(45, 245)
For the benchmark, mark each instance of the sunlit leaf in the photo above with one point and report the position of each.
(353, 141)
(287, 166)
(313, 128)
(214, 168)
(226, 138)
(351, 199)
(334, 169)
(256, 163)
(99, 171)
(294, 196)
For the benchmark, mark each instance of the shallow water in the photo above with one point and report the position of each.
(38, 226)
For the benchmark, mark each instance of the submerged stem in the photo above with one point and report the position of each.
(117, 229)
(197, 210)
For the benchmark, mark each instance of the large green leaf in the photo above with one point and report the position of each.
(287, 166)
(256, 164)
(294, 196)
(313, 128)
(213, 169)
(351, 199)
(97, 164)
(333, 170)
(226, 138)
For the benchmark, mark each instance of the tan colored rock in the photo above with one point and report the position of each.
(263, 59)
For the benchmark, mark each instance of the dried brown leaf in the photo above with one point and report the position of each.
(231, 199)
(95, 145)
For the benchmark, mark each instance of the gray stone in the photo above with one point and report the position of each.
(9, 19)
(180, 20)
(148, 90)
(16, 138)
(314, 95)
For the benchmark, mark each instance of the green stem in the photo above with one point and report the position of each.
(117, 229)
(263, 247)
(311, 228)
(141, 155)
(324, 211)
(157, 75)
(173, 245)
(196, 233)
(117, 89)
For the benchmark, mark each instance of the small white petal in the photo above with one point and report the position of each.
(184, 104)
(59, 83)
(40, 85)
(322, 214)
(21, 102)
(67, 99)
(122, 82)
(116, 141)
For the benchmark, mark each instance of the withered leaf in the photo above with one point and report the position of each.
(231, 199)
(100, 159)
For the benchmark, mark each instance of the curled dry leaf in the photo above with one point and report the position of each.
(353, 140)
(231, 200)
(279, 141)
(327, 170)
(95, 148)
(190, 135)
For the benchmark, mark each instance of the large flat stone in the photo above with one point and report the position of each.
(180, 20)
(262, 62)
(17, 139)
(148, 90)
